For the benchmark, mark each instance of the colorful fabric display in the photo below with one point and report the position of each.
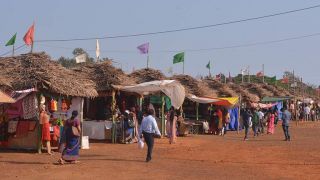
(29, 106)
(12, 126)
(53, 105)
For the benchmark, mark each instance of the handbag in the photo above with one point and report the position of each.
(131, 123)
(75, 131)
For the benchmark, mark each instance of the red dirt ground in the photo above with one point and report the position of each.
(193, 157)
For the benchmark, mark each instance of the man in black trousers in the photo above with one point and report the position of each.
(149, 129)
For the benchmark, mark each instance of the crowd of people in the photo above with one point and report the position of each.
(260, 119)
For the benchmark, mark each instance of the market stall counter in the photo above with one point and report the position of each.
(97, 129)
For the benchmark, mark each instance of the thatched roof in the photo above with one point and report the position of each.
(194, 86)
(223, 90)
(257, 89)
(37, 70)
(147, 74)
(104, 75)
(245, 94)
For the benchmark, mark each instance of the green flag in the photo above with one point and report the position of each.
(273, 79)
(208, 65)
(12, 40)
(178, 58)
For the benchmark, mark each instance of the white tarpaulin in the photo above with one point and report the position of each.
(202, 100)
(173, 89)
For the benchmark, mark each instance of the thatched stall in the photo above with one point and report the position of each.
(101, 111)
(200, 88)
(246, 96)
(147, 75)
(223, 89)
(34, 79)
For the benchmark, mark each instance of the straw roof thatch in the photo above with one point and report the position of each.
(146, 75)
(245, 94)
(194, 86)
(37, 70)
(104, 75)
(223, 90)
(257, 89)
(273, 89)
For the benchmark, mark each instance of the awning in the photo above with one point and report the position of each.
(4, 98)
(173, 89)
(231, 101)
(275, 99)
(263, 106)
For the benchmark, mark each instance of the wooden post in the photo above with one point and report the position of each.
(197, 111)
(81, 120)
(239, 110)
(39, 129)
(113, 107)
(162, 116)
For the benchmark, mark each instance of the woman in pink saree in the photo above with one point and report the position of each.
(271, 122)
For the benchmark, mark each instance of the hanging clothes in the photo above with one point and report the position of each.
(29, 106)
(53, 105)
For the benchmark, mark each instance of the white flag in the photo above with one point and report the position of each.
(97, 49)
(81, 58)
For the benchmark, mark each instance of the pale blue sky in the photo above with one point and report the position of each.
(62, 19)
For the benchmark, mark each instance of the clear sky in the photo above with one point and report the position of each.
(63, 19)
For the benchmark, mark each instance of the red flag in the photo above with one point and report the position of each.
(29, 36)
(285, 80)
(218, 77)
(260, 74)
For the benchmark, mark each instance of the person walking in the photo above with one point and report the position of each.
(173, 116)
(286, 117)
(149, 129)
(246, 115)
(72, 134)
(271, 117)
(255, 122)
(261, 121)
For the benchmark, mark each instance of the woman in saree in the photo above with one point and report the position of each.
(71, 151)
(271, 118)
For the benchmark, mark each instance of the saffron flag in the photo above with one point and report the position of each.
(97, 49)
(12, 40)
(144, 48)
(260, 74)
(178, 58)
(29, 36)
(208, 65)
(285, 80)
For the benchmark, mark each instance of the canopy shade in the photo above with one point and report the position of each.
(173, 89)
(4, 98)
(263, 106)
(274, 99)
(231, 101)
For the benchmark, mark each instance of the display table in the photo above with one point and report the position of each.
(96, 129)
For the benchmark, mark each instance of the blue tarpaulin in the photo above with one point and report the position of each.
(234, 119)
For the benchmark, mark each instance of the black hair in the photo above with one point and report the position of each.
(150, 112)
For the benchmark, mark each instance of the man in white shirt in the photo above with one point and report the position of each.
(148, 129)
(307, 112)
(261, 121)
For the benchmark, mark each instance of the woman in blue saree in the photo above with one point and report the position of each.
(71, 151)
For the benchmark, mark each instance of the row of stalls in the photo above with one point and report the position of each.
(34, 80)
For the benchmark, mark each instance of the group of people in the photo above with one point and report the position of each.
(257, 119)
(308, 112)
(219, 120)
(70, 136)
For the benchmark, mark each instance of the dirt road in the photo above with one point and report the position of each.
(193, 157)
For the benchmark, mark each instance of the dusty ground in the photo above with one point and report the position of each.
(193, 157)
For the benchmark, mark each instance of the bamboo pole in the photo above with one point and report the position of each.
(162, 116)
(197, 111)
(113, 106)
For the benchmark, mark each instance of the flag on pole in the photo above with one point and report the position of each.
(29, 36)
(260, 74)
(178, 58)
(144, 48)
(208, 65)
(97, 49)
(12, 41)
(273, 79)
(81, 58)
(218, 76)
(285, 80)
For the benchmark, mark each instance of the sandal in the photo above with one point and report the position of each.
(60, 161)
